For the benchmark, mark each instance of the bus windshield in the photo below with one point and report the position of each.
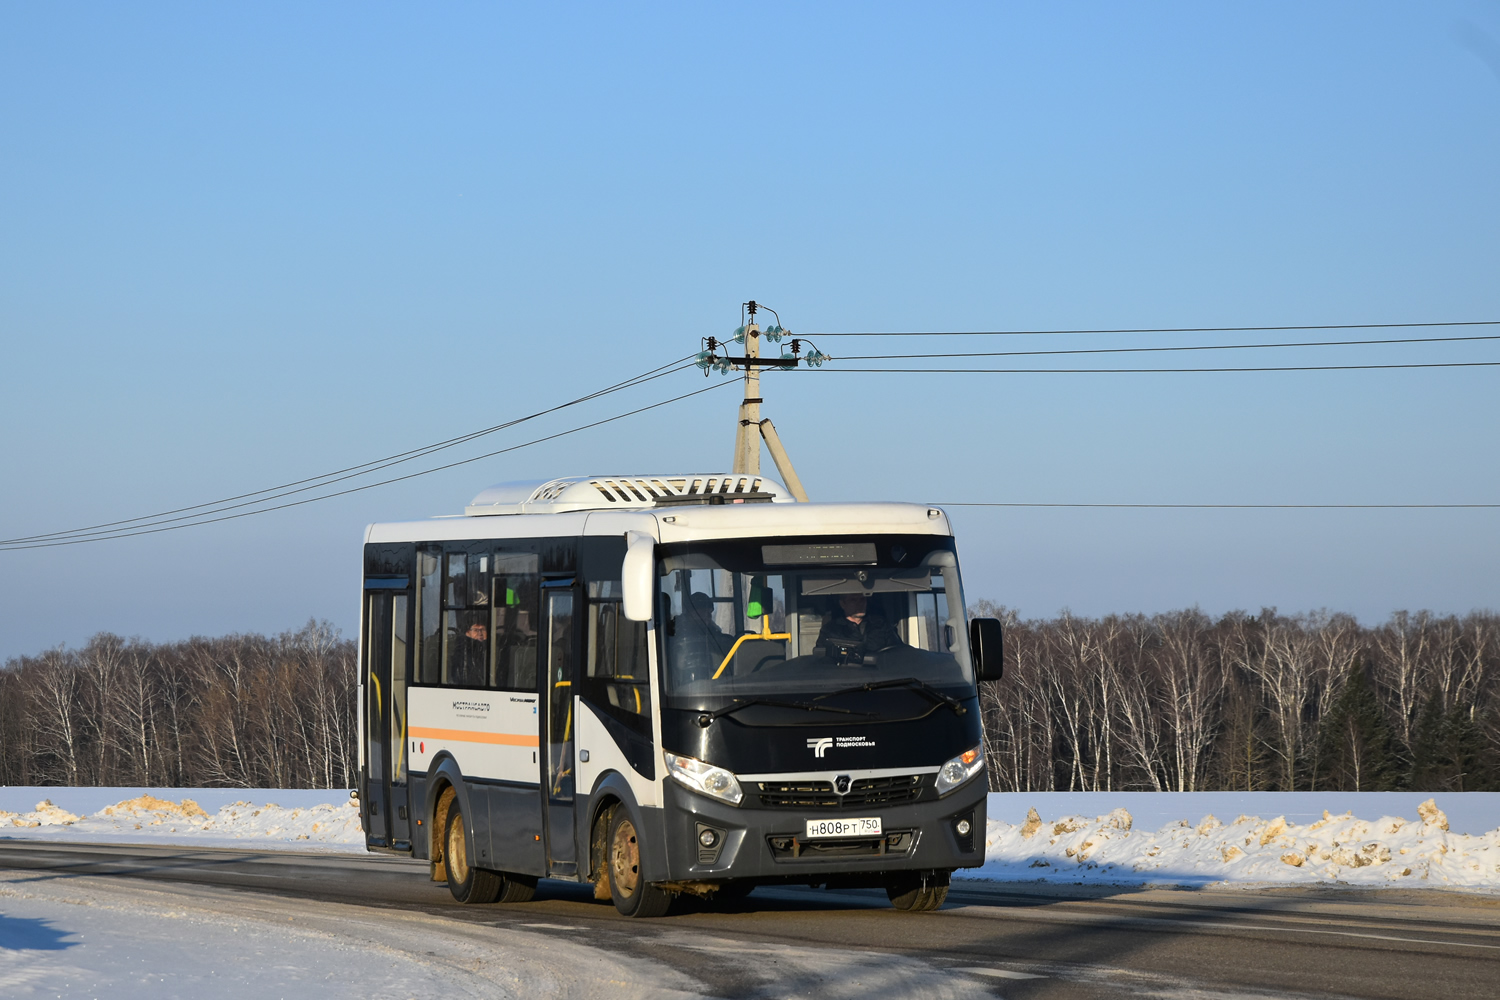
(797, 616)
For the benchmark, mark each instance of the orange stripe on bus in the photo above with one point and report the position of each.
(471, 736)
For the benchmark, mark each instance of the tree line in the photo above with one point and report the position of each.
(1169, 702)
(247, 711)
(1185, 702)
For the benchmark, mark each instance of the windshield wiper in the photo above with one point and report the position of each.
(739, 703)
(920, 686)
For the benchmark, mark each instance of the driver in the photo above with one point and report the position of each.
(698, 644)
(851, 633)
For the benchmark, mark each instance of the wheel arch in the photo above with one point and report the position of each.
(611, 789)
(615, 787)
(443, 776)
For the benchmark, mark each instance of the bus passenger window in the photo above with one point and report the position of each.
(456, 593)
(429, 618)
(515, 604)
(618, 679)
(468, 637)
(466, 620)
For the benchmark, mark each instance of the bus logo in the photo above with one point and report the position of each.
(819, 744)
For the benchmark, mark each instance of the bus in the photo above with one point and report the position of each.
(668, 685)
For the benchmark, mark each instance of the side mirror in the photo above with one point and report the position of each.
(636, 576)
(986, 639)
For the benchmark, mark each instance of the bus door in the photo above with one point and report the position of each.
(558, 725)
(385, 793)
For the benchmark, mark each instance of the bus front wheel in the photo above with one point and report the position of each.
(632, 894)
(918, 891)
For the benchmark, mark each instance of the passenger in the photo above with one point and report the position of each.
(851, 633)
(469, 657)
(698, 644)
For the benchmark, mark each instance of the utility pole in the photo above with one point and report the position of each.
(750, 428)
(746, 440)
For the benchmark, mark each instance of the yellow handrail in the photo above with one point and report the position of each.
(765, 633)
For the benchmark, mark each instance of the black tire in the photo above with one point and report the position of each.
(517, 888)
(918, 892)
(633, 895)
(467, 883)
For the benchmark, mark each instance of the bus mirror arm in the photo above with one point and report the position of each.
(636, 581)
(985, 643)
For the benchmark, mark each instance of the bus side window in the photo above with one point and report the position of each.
(429, 617)
(618, 679)
(466, 620)
(515, 610)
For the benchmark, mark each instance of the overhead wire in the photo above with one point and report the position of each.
(1147, 350)
(129, 533)
(1162, 329)
(1146, 371)
(341, 475)
(215, 511)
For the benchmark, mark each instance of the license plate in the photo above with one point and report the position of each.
(858, 826)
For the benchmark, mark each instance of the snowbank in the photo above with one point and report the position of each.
(1097, 840)
(329, 825)
(1468, 812)
(1389, 851)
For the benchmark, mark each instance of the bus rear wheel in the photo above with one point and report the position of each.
(467, 883)
(632, 894)
(916, 892)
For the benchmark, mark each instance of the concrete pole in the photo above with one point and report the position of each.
(782, 459)
(747, 434)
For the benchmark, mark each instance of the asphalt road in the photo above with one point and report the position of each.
(1019, 941)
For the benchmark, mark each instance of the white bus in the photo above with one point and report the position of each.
(672, 684)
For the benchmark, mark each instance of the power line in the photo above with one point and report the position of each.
(128, 533)
(1145, 371)
(1140, 350)
(1238, 506)
(1164, 329)
(341, 475)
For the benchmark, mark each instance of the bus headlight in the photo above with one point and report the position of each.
(706, 778)
(960, 769)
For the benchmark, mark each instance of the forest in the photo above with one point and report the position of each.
(1168, 702)
(246, 711)
(1269, 702)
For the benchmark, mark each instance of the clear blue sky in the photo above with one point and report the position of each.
(244, 244)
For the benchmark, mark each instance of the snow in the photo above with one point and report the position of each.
(1468, 812)
(93, 936)
(1171, 838)
(314, 820)
(1201, 848)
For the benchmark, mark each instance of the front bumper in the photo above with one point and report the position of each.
(769, 843)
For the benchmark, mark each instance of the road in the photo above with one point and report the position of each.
(1018, 941)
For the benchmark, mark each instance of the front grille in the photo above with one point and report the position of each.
(789, 847)
(821, 794)
(883, 791)
(798, 795)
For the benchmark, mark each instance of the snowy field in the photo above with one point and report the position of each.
(1391, 839)
(1388, 839)
(286, 819)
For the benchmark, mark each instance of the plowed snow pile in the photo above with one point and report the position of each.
(1390, 851)
(148, 819)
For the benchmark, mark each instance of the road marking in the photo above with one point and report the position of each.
(553, 927)
(1003, 973)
